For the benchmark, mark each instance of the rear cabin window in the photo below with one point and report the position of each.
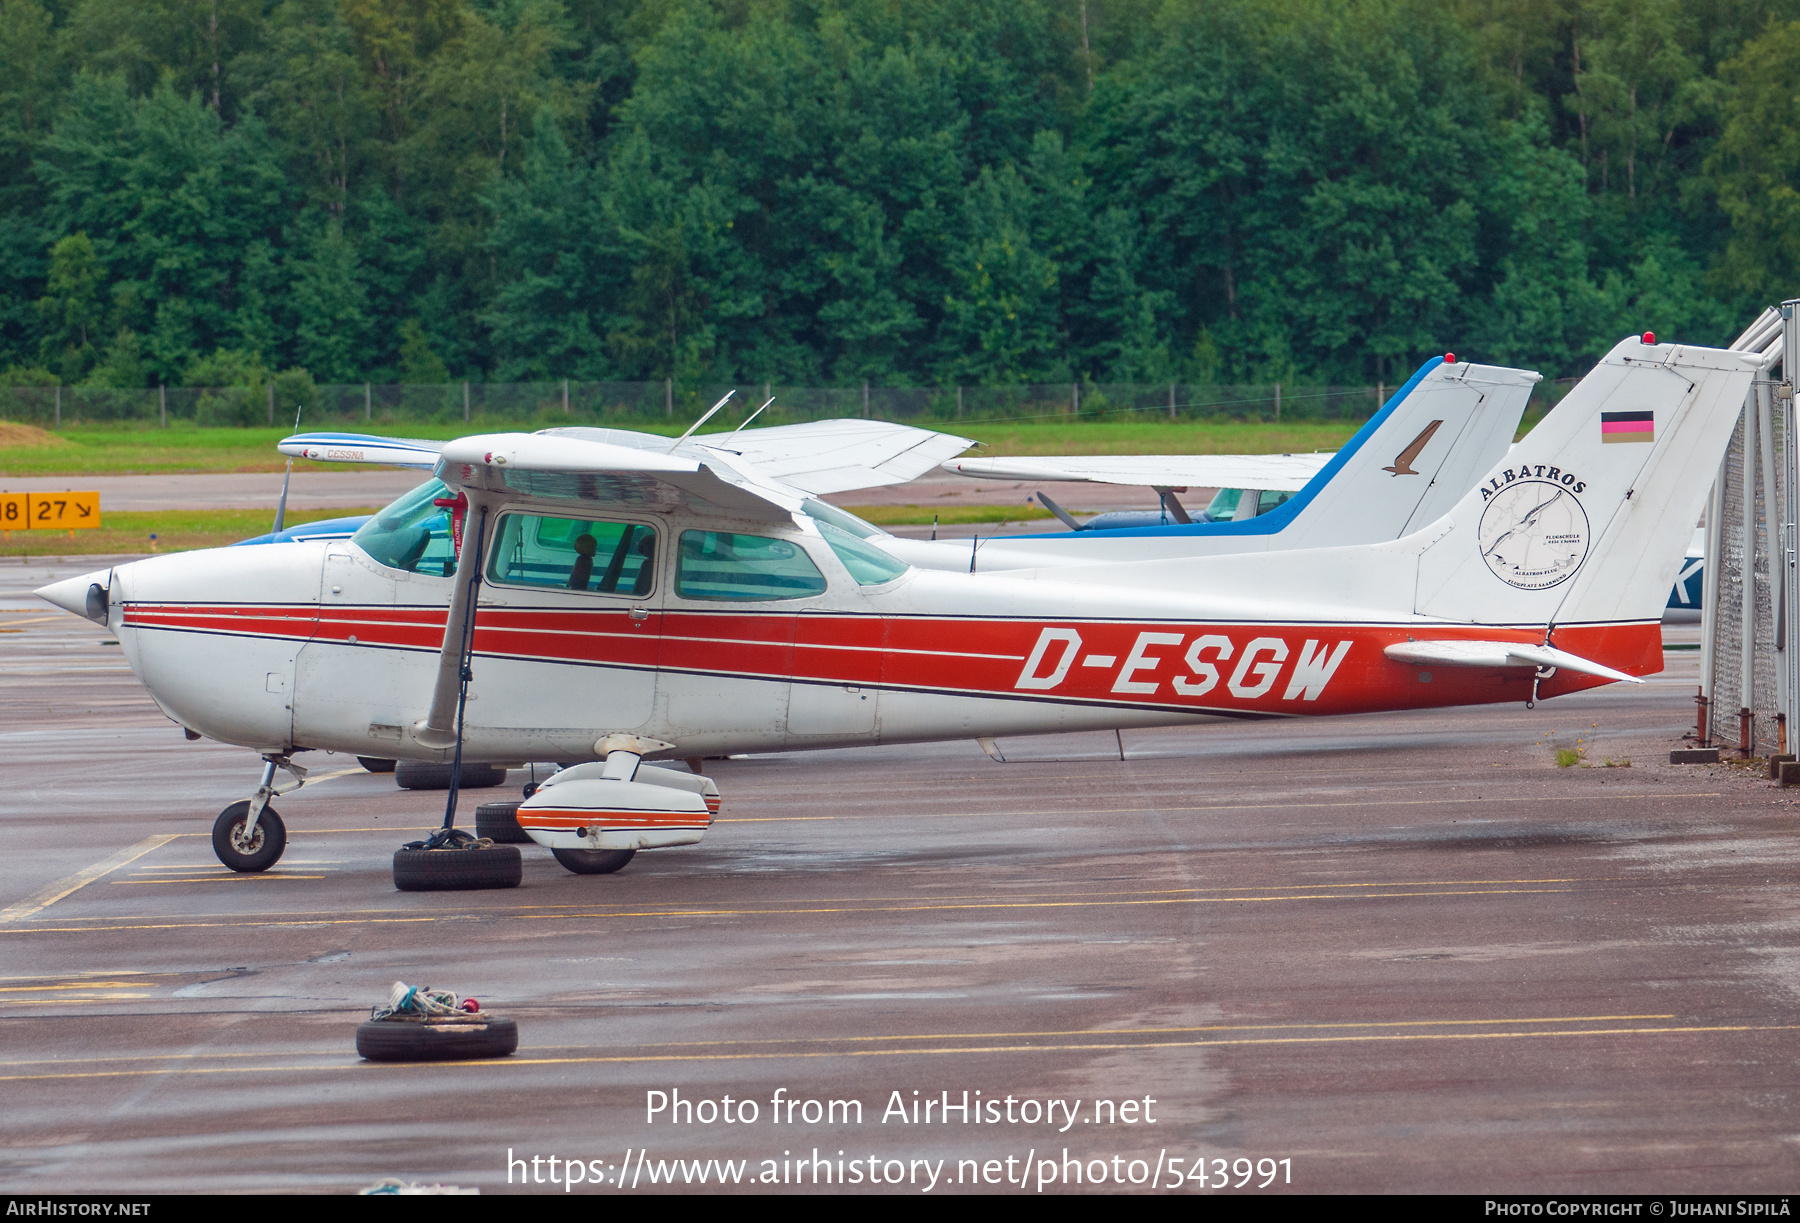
(574, 554)
(717, 565)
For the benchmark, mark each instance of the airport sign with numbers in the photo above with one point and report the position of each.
(64, 511)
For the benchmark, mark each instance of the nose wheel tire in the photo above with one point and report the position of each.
(499, 822)
(594, 861)
(257, 852)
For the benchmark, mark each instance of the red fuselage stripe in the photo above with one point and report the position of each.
(1262, 669)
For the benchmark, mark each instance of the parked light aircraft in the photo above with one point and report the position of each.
(604, 594)
(1406, 466)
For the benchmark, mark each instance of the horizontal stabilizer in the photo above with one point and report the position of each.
(1498, 654)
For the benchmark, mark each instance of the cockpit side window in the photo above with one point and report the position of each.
(718, 565)
(412, 534)
(574, 554)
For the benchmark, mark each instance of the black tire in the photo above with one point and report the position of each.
(499, 822)
(418, 775)
(435, 1040)
(457, 870)
(594, 861)
(375, 764)
(266, 846)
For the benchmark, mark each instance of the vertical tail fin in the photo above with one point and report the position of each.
(1407, 467)
(1586, 519)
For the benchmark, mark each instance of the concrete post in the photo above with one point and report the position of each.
(368, 402)
(1278, 401)
(669, 398)
(162, 404)
(465, 401)
(271, 403)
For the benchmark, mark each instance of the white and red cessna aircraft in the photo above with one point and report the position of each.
(602, 594)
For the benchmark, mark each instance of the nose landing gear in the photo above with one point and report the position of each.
(249, 836)
(245, 847)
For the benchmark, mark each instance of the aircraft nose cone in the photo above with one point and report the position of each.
(71, 594)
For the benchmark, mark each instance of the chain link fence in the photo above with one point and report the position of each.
(1745, 673)
(546, 404)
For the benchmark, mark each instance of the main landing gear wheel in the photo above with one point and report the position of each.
(436, 1039)
(376, 764)
(464, 864)
(420, 775)
(257, 852)
(594, 861)
(499, 822)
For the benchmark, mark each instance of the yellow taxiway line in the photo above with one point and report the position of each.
(46, 897)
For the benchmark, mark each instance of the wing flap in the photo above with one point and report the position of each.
(834, 456)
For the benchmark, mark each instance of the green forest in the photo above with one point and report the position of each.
(907, 192)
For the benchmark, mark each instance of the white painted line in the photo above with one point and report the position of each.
(80, 879)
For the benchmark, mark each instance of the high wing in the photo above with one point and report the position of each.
(362, 448)
(559, 465)
(824, 456)
(835, 456)
(1288, 473)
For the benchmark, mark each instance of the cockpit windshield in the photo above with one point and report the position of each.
(412, 534)
(843, 520)
(848, 535)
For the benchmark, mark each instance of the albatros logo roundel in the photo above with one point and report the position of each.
(1534, 533)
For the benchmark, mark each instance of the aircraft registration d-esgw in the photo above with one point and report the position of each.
(600, 595)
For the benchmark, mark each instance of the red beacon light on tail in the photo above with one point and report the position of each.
(1649, 337)
(1449, 358)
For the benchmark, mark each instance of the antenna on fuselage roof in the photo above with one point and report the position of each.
(755, 414)
(281, 505)
(709, 415)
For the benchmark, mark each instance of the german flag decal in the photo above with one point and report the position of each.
(1628, 426)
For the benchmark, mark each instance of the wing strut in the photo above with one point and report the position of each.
(463, 635)
(1167, 497)
(442, 724)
